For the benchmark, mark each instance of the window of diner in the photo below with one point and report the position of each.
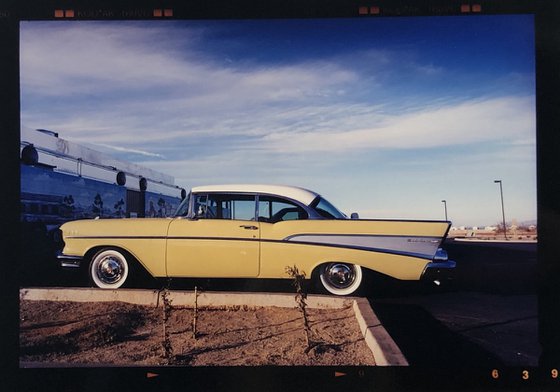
(274, 209)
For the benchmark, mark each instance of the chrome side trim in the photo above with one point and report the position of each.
(416, 246)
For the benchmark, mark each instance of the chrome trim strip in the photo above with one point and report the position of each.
(116, 237)
(364, 235)
(69, 261)
(70, 264)
(365, 249)
(409, 245)
(414, 248)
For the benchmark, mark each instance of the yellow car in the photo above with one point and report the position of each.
(256, 231)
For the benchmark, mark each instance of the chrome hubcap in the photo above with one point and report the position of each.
(110, 270)
(340, 276)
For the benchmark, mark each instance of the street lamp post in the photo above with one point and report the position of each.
(503, 213)
(445, 208)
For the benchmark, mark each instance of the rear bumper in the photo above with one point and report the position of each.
(439, 272)
(69, 261)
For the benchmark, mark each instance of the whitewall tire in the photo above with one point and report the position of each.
(340, 278)
(109, 269)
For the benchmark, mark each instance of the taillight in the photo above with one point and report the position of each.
(440, 256)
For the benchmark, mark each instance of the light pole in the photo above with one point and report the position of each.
(503, 213)
(445, 208)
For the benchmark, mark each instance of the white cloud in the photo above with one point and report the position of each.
(90, 58)
(509, 118)
(104, 83)
(129, 150)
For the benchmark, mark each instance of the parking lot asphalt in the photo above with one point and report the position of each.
(487, 317)
(463, 329)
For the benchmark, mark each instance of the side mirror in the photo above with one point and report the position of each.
(354, 215)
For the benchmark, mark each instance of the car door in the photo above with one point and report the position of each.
(280, 218)
(222, 241)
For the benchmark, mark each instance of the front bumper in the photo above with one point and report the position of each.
(438, 272)
(69, 261)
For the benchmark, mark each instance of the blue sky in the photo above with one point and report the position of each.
(383, 116)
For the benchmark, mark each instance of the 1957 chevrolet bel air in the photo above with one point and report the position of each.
(256, 231)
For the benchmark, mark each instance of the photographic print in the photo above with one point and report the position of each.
(385, 164)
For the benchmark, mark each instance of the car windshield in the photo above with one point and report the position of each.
(183, 208)
(326, 209)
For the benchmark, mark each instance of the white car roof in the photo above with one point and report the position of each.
(302, 195)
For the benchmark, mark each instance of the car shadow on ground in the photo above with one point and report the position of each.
(501, 268)
(426, 342)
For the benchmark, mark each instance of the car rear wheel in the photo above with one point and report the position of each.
(109, 269)
(340, 278)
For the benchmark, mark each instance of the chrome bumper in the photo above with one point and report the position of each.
(439, 272)
(69, 261)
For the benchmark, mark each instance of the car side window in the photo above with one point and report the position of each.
(199, 206)
(274, 209)
(225, 206)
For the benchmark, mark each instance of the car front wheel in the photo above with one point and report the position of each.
(109, 269)
(340, 278)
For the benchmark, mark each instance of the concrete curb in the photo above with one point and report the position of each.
(384, 349)
(180, 298)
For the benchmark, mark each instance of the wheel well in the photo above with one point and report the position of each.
(138, 273)
(338, 282)
(316, 270)
(90, 253)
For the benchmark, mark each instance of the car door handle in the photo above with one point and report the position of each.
(249, 227)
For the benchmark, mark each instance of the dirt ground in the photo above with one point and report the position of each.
(131, 335)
